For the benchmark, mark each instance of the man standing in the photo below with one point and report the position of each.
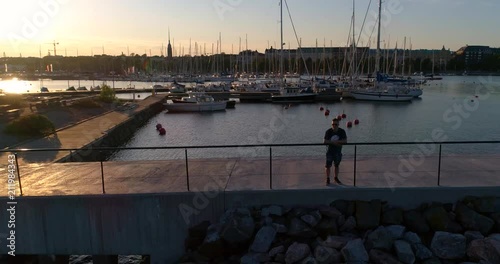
(335, 137)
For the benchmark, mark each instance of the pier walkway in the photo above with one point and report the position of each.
(80, 134)
(138, 177)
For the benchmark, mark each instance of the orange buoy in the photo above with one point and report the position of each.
(356, 121)
(162, 131)
(349, 124)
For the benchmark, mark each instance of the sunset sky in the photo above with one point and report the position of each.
(86, 27)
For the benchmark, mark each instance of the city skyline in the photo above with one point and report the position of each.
(31, 28)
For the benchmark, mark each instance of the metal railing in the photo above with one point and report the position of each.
(72, 152)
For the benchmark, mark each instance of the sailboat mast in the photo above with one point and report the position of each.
(281, 43)
(377, 58)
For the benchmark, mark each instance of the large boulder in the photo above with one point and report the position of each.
(472, 220)
(263, 239)
(448, 246)
(487, 249)
(368, 214)
(355, 252)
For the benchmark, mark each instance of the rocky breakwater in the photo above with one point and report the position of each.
(467, 231)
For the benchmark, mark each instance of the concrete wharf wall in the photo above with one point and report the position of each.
(152, 224)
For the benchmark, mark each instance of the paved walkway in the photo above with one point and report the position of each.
(78, 135)
(43, 179)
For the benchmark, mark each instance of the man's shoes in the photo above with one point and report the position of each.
(327, 181)
(337, 180)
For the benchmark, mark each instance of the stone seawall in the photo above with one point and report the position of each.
(114, 137)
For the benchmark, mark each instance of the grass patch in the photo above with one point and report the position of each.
(30, 126)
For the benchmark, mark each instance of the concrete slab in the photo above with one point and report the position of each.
(132, 177)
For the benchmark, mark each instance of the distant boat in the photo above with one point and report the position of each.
(71, 89)
(196, 102)
(44, 90)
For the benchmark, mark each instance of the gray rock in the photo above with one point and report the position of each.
(422, 252)
(212, 246)
(495, 237)
(254, 258)
(432, 261)
(329, 211)
(472, 220)
(355, 252)
(238, 228)
(297, 252)
(396, 231)
(412, 238)
(272, 210)
(280, 228)
(336, 242)
(486, 204)
(404, 251)
(350, 224)
(484, 249)
(276, 250)
(311, 219)
(341, 220)
(381, 257)
(325, 255)
(448, 246)
(300, 229)
(263, 239)
(309, 260)
(472, 235)
(379, 238)
(368, 214)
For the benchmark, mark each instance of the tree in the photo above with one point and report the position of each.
(107, 94)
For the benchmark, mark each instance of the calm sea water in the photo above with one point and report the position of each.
(448, 110)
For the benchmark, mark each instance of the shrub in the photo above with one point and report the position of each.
(107, 94)
(30, 126)
(85, 103)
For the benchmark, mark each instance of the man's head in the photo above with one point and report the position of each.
(335, 123)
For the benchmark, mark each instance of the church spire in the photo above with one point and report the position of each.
(169, 46)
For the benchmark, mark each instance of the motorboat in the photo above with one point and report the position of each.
(390, 95)
(294, 94)
(196, 102)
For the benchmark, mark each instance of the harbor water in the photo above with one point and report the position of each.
(457, 108)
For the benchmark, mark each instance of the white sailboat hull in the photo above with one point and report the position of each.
(381, 96)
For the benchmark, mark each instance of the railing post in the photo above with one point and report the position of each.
(18, 175)
(439, 166)
(187, 170)
(355, 150)
(270, 168)
(102, 173)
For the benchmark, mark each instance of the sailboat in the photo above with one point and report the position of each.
(381, 92)
(290, 93)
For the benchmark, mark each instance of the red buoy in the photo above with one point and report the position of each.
(356, 121)
(339, 117)
(162, 131)
(327, 112)
(158, 126)
(349, 124)
(321, 108)
(344, 115)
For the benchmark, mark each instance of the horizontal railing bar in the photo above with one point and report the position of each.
(247, 146)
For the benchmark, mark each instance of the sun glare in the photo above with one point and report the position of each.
(15, 86)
